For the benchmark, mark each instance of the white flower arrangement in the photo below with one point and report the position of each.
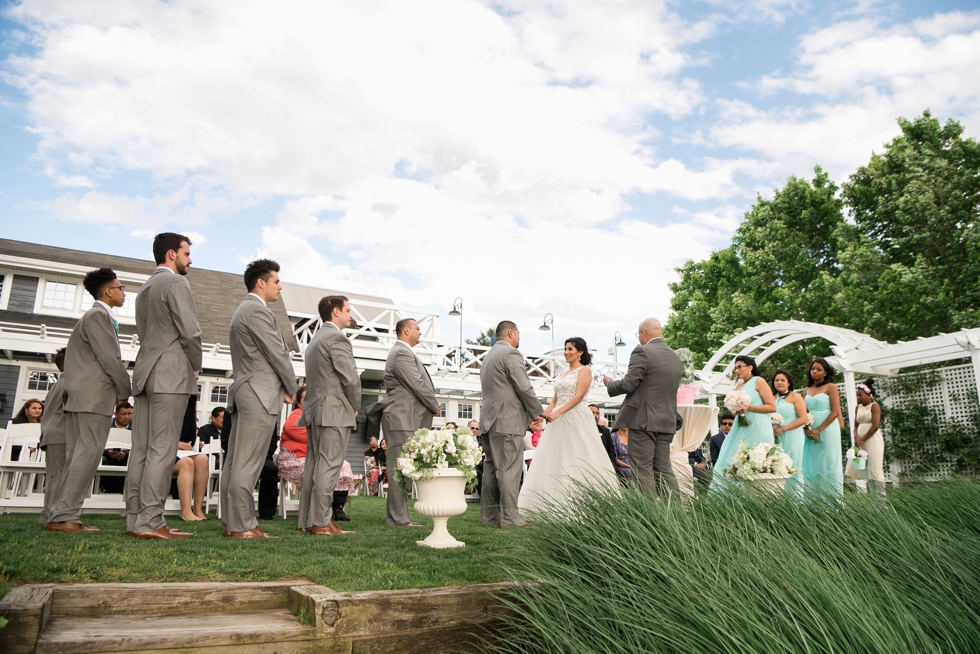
(777, 419)
(760, 460)
(809, 420)
(429, 450)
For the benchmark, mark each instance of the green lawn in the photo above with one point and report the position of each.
(377, 557)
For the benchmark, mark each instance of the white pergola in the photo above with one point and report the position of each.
(854, 353)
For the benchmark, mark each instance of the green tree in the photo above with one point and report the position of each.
(780, 266)
(483, 338)
(915, 261)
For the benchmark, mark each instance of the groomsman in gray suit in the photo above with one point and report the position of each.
(509, 404)
(95, 379)
(410, 405)
(650, 408)
(54, 440)
(164, 377)
(333, 396)
(264, 379)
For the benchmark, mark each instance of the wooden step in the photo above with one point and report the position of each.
(126, 633)
(95, 600)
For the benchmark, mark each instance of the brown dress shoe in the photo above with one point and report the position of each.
(306, 530)
(252, 533)
(69, 527)
(409, 524)
(162, 533)
(330, 530)
(179, 534)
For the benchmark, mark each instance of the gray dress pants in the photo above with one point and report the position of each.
(397, 512)
(501, 478)
(325, 450)
(157, 421)
(248, 445)
(87, 434)
(649, 456)
(55, 463)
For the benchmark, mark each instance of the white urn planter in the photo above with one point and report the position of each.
(441, 498)
(766, 483)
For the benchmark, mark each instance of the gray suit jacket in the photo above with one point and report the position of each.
(53, 423)
(259, 356)
(95, 376)
(509, 402)
(411, 397)
(333, 386)
(170, 336)
(650, 386)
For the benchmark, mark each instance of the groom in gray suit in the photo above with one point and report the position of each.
(509, 404)
(333, 396)
(410, 405)
(95, 378)
(164, 377)
(650, 408)
(264, 379)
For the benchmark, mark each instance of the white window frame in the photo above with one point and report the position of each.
(459, 410)
(80, 292)
(211, 389)
(8, 280)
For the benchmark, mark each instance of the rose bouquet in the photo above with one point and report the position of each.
(739, 401)
(777, 421)
(429, 450)
(763, 459)
(809, 425)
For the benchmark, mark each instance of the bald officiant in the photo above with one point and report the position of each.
(410, 405)
(95, 378)
(264, 380)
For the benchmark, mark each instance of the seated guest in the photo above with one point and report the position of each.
(698, 466)
(533, 434)
(269, 479)
(451, 426)
(372, 470)
(714, 447)
(621, 440)
(212, 430)
(122, 418)
(605, 435)
(474, 426)
(291, 460)
(31, 412)
(191, 468)
(383, 461)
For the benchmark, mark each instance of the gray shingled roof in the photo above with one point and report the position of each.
(216, 294)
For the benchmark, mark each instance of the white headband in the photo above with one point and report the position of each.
(866, 389)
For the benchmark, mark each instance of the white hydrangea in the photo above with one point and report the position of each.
(764, 458)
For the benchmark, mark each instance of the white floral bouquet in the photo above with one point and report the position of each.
(429, 450)
(738, 401)
(777, 419)
(809, 420)
(760, 460)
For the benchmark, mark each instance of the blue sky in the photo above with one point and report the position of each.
(530, 157)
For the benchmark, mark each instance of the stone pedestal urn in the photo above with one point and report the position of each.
(441, 498)
(764, 483)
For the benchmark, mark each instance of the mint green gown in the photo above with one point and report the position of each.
(759, 430)
(792, 442)
(823, 467)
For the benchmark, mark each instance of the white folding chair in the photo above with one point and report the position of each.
(14, 472)
(213, 452)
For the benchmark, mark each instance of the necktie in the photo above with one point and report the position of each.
(115, 324)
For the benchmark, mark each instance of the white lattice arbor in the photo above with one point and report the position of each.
(854, 353)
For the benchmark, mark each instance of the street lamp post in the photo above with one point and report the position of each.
(548, 325)
(457, 310)
(617, 343)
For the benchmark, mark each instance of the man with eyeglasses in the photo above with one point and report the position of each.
(714, 445)
(95, 379)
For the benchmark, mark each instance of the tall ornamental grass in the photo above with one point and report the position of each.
(736, 572)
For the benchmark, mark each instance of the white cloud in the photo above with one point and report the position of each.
(855, 78)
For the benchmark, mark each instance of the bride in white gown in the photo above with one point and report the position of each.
(570, 452)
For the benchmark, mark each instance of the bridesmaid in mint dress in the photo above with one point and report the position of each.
(759, 429)
(823, 466)
(792, 408)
